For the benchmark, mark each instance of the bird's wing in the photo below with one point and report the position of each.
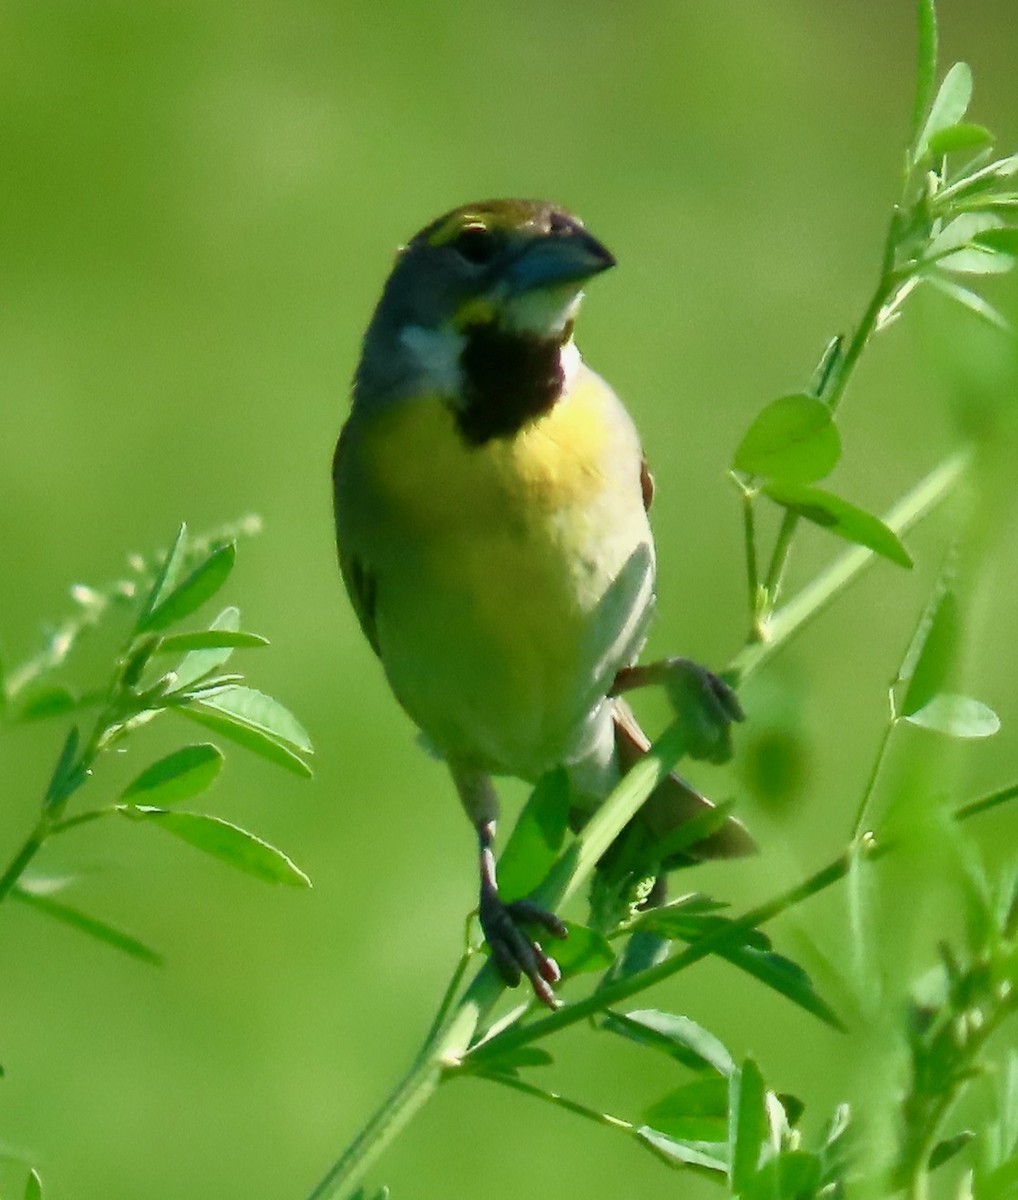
(673, 801)
(362, 586)
(361, 581)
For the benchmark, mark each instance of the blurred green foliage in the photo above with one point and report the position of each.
(201, 205)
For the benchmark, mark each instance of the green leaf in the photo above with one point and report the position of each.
(583, 950)
(676, 1036)
(750, 953)
(983, 180)
(747, 1123)
(794, 438)
(956, 716)
(974, 303)
(33, 1188)
(696, 1112)
(258, 712)
(201, 585)
(680, 916)
(1004, 204)
(199, 663)
(789, 1175)
(829, 362)
(178, 776)
(944, 1151)
(95, 928)
(963, 136)
(948, 108)
(693, 831)
(165, 579)
(842, 518)
(248, 737)
(522, 1056)
(926, 66)
(955, 247)
(537, 837)
(782, 975)
(793, 1106)
(215, 638)
(230, 843)
(929, 659)
(1002, 240)
(58, 786)
(681, 1153)
(48, 702)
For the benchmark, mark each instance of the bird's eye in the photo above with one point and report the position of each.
(476, 244)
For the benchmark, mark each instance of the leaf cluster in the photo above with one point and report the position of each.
(158, 669)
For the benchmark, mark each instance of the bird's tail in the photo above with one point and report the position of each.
(673, 804)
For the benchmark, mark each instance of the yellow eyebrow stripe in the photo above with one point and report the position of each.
(450, 229)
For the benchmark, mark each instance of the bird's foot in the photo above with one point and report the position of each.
(705, 703)
(516, 953)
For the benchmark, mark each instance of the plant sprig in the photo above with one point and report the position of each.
(956, 216)
(141, 689)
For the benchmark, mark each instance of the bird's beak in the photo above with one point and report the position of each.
(558, 258)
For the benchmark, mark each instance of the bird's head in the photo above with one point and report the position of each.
(513, 269)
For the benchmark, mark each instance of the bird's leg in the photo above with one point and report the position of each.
(514, 952)
(702, 699)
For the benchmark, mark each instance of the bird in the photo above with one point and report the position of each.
(491, 503)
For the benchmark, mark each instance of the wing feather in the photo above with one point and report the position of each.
(361, 582)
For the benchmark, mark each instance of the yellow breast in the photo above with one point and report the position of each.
(436, 481)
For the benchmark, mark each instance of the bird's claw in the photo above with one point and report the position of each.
(514, 952)
(708, 706)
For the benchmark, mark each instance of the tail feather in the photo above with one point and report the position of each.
(673, 801)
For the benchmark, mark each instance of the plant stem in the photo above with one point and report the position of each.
(856, 904)
(752, 570)
(573, 1106)
(405, 1100)
(779, 557)
(450, 994)
(831, 391)
(817, 595)
(985, 803)
(24, 856)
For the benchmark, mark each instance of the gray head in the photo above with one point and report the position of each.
(516, 267)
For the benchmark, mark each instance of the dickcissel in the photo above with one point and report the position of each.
(491, 502)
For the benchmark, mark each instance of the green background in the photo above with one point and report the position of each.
(200, 203)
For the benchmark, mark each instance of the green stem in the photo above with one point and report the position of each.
(81, 819)
(752, 570)
(856, 903)
(24, 856)
(443, 1052)
(984, 803)
(779, 557)
(573, 1106)
(832, 391)
(362, 1152)
(816, 596)
(450, 994)
(871, 782)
